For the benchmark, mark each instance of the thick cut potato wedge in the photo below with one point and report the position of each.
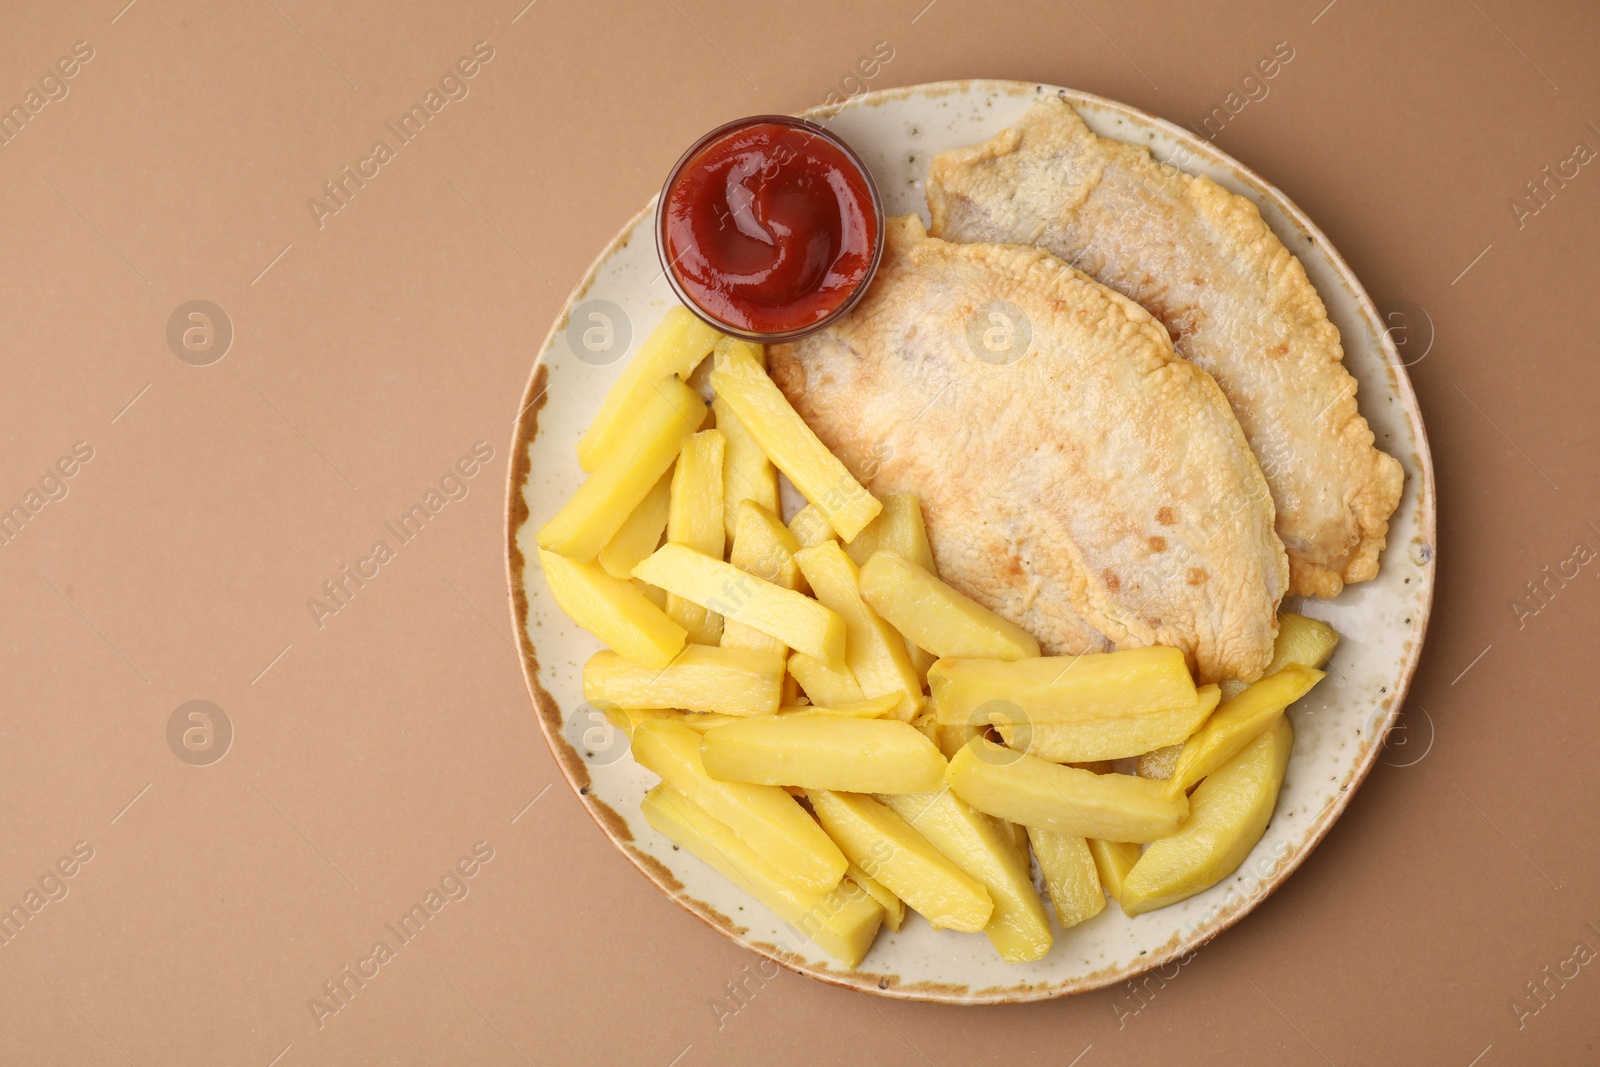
(894, 909)
(875, 651)
(867, 708)
(889, 849)
(1063, 688)
(765, 817)
(1303, 641)
(899, 529)
(658, 597)
(700, 722)
(984, 848)
(674, 349)
(730, 681)
(1160, 762)
(730, 593)
(1111, 737)
(747, 474)
(613, 610)
(951, 739)
(842, 921)
(791, 445)
(876, 708)
(1238, 722)
(811, 527)
(726, 346)
(1113, 859)
(654, 433)
(1308, 642)
(936, 617)
(1034, 792)
(628, 719)
(1227, 816)
(737, 635)
(1070, 875)
(927, 725)
(826, 686)
(694, 519)
(639, 535)
(816, 750)
(764, 547)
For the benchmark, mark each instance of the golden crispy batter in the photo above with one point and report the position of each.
(1234, 300)
(1076, 476)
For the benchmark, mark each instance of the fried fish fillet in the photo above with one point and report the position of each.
(1234, 300)
(1076, 476)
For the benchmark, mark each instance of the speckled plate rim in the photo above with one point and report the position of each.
(575, 770)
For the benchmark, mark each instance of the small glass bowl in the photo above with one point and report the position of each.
(718, 134)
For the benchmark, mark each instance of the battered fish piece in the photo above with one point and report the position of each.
(1234, 300)
(1076, 476)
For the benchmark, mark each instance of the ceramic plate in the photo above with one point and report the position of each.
(1339, 728)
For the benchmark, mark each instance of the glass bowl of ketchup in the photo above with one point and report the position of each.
(769, 228)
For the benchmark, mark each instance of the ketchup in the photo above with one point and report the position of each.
(770, 226)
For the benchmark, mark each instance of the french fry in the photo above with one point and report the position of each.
(737, 635)
(654, 433)
(747, 474)
(640, 534)
(726, 591)
(764, 817)
(951, 739)
(1034, 792)
(1302, 641)
(810, 527)
(1159, 763)
(658, 597)
(842, 922)
(818, 750)
(985, 849)
(1064, 688)
(894, 909)
(729, 681)
(613, 610)
(674, 349)
(899, 529)
(823, 685)
(876, 708)
(927, 725)
(694, 519)
(936, 617)
(1238, 722)
(1113, 859)
(875, 650)
(628, 719)
(1228, 814)
(791, 445)
(889, 849)
(764, 547)
(1070, 875)
(867, 708)
(1109, 737)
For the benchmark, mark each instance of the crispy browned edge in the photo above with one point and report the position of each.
(535, 396)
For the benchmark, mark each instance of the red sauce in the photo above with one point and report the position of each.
(770, 227)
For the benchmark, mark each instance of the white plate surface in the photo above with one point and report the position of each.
(1339, 728)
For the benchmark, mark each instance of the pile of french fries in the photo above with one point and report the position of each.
(842, 734)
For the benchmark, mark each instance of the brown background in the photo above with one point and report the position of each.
(369, 755)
